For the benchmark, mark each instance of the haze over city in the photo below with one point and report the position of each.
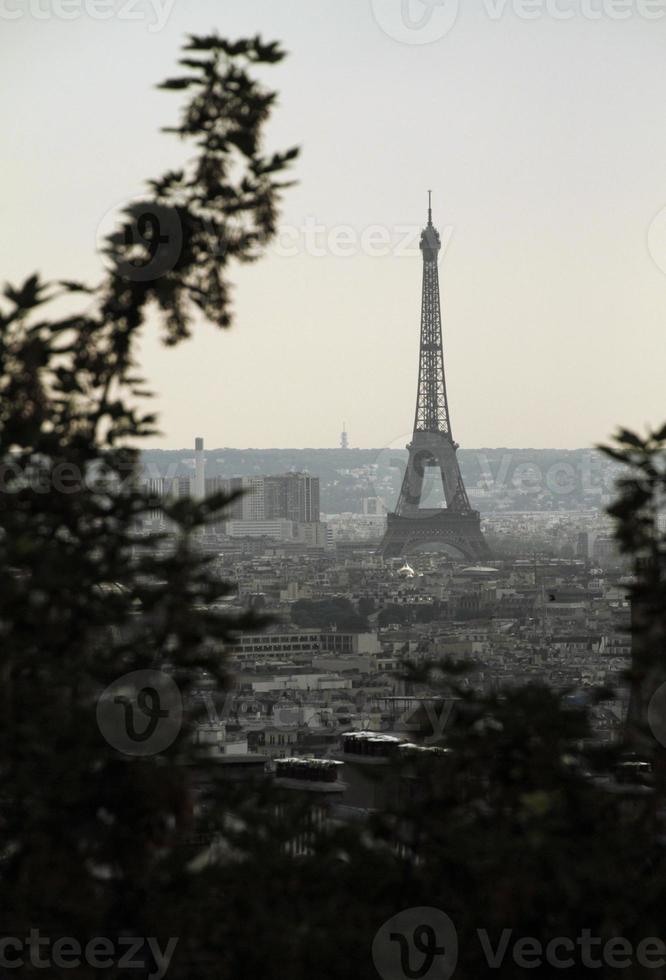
(543, 143)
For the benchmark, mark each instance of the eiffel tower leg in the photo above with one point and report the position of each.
(412, 482)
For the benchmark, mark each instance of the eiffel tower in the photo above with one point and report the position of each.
(456, 525)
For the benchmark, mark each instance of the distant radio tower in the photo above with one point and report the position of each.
(344, 441)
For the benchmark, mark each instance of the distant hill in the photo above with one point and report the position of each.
(500, 477)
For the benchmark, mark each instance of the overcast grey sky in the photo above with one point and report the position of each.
(539, 125)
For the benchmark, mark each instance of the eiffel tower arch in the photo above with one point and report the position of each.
(456, 525)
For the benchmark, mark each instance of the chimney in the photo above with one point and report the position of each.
(199, 478)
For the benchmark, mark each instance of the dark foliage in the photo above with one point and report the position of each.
(327, 614)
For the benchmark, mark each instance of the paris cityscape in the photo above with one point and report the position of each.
(535, 589)
(333, 489)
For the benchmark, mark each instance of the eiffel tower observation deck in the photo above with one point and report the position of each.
(455, 527)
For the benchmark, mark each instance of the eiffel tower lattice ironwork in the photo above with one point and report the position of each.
(432, 445)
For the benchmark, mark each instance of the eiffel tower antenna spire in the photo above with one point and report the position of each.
(455, 524)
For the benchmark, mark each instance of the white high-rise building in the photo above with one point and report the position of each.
(253, 498)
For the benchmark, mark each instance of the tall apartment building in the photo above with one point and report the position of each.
(156, 487)
(249, 506)
(253, 500)
(293, 496)
(164, 489)
(179, 487)
(287, 497)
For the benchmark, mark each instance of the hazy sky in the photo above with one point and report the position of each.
(542, 135)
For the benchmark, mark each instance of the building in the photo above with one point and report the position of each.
(374, 507)
(281, 647)
(179, 487)
(293, 496)
(334, 641)
(278, 529)
(199, 469)
(312, 534)
(288, 497)
(252, 501)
